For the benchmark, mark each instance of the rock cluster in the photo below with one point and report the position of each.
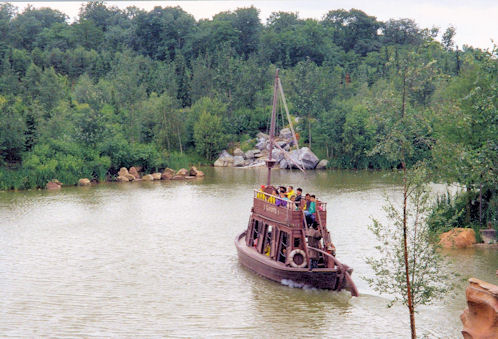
(281, 153)
(480, 318)
(53, 184)
(133, 174)
(458, 237)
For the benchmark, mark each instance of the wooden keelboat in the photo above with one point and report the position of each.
(275, 243)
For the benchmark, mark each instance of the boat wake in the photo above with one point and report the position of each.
(293, 284)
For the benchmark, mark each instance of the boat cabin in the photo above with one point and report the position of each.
(280, 232)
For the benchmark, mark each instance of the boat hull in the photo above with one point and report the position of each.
(322, 278)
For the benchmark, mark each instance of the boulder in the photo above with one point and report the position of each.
(54, 184)
(122, 172)
(156, 176)
(133, 171)
(193, 171)
(224, 160)
(200, 174)
(167, 174)
(238, 161)
(238, 152)
(84, 182)
(262, 135)
(286, 133)
(283, 164)
(281, 143)
(251, 154)
(308, 158)
(458, 237)
(489, 236)
(190, 177)
(178, 177)
(130, 177)
(277, 155)
(480, 318)
(122, 178)
(182, 171)
(148, 177)
(262, 144)
(322, 164)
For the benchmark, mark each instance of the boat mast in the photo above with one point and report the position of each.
(270, 162)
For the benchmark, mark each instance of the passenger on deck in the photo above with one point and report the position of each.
(310, 212)
(271, 199)
(290, 192)
(261, 194)
(281, 200)
(292, 204)
(299, 196)
(306, 204)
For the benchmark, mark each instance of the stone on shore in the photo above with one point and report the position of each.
(238, 161)
(224, 160)
(123, 172)
(193, 171)
(54, 184)
(458, 238)
(133, 171)
(322, 164)
(286, 133)
(122, 178)
(238, 152)
(84, 182)
(251, 154)
(156, 176)
(148, 177)
(182, 172)
(480, 318)
(178, 177)
(200, 174)
(130, 177)
(167, 174)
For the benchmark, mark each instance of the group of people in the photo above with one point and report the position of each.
(288, 198)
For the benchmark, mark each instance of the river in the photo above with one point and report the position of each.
(157, 259)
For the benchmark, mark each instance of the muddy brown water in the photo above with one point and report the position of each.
(157, 259)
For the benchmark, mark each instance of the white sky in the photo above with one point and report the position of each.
(476, 21)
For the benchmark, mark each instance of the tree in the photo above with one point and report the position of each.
(408, 266)
(208, 135)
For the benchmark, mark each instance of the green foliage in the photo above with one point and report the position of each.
(209, 136)
(177, 160)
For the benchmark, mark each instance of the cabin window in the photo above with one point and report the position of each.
(297, 242)
(266, 248)
(283, 241)
(255, 233)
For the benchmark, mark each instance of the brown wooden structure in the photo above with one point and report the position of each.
(275, 243)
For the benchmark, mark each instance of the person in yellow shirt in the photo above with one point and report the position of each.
(261, 194)
(290, 192)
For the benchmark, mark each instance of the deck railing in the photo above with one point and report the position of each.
(266, 205)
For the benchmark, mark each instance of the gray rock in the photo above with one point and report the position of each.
(277, 154)
(251, 153)
(262, 144)
(283, 164)
(224, 160)
(262, 135)
(238, 161)
(304, 157)
(238, 152)
(286, 133)
(282, 143)
(322, 164)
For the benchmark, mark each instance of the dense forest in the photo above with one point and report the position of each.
(130, 87)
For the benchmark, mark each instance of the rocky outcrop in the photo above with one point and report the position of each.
(322, 164)
(480, 318)
(458, 237)
(53, 184)
(182, 172)
(489, 236)
(200, 174)
(122, 178)
(224, 160)
(167, 174)
(281, 153)
(156, 176)
(133, 171)
(148, 177)
(238, 152)
(84, 182)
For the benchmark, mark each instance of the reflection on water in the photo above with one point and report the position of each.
(157, 259)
